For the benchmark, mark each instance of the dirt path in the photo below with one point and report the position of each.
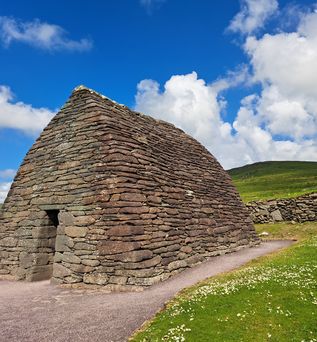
(42, 312)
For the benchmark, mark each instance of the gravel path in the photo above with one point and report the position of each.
(43, 312)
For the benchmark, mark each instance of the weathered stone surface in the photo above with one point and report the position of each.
(19, 273)
(26, 259)
(34, 244)
(118, 280)
(186, 249)
(68, 257)
(116, 247)
(125, 230)
(174, 265)
(276, 215)
(194, 259)
(60, 271)
(135, 256)
(43, 232)
(76, 231)
(66, 218)
(134, 210)
(78, 268)
(96, 278)
(144, 273)
(84, 221)
(63, 243)
(120, 200)
(299, 209)
(4, 255)
(144, 264)
(147, 281)
(72, 279)
(221, 230)
(58, 257)
(8, 242)
(84, 246)
(133, 197)
(38, 273)
(42, 258)
(89, 262)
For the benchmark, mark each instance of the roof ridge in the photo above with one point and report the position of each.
(82, 87)
(92, 91)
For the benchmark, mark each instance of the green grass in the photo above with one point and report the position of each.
(273, 298)
(270, 180)
(288, 231)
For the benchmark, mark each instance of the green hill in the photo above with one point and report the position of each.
(275, 179)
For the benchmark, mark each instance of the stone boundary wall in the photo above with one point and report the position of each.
(299, 209)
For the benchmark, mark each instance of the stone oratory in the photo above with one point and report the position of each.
(114, 198)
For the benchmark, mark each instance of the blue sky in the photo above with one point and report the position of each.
(227, 72)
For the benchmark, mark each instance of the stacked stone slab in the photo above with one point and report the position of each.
(137, 199)
(298, 209)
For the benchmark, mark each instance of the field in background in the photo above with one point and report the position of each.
(273, 298)
(276, 179)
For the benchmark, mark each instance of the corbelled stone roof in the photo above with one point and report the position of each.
(138, 200)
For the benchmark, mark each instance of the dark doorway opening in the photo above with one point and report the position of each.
(53, 217)
(43, 259)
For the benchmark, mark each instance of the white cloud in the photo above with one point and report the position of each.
(190, 104)
(285, 64)
(185, 98)
(21, 116)
(39, 34)
(254, 135)
(4, 189)
(7, 174)
(151, 5)
(253, 15)
(196, 107)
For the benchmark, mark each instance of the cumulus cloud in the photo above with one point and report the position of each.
(196, 107)
(253, 15)
(257, 142)
(4, 189)
(285, 64)
(40, 35)
(276, 122)
(21, 116)
(186, 101)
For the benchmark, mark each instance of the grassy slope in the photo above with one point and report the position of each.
(275, 179)
(273, 298)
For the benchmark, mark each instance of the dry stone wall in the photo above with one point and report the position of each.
(299, 209)
(135, 200)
